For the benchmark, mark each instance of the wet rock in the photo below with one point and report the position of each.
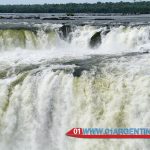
(2, 17)
(70, 14)
(47, 18)
(18, 17)
(144, 51)
(77, 72)
(65, 30)
(32, 17)
(95, 40)
(57, 18)
(8, 17)
(104, 19)
(66, 18)
(106, 32)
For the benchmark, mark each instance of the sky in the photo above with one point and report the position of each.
(54, 1)
(57, 1)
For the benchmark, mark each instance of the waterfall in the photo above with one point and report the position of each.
(50, 83)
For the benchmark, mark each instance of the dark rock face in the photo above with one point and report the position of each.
(106, 32)
(95, 40)
(57, 18)
(45, 18)
(19, 17)
(70, 14)
(78, 72)
(65, 18)
(64, 31)
(2, 17)
(104, 19)
(32, 17)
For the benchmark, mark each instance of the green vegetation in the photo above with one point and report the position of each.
(70, 8)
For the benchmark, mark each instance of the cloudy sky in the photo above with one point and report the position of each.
(52, 1)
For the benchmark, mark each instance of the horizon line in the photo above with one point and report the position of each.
(76, 3)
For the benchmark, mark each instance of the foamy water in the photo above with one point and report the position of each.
(50, 84)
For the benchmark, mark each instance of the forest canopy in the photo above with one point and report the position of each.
(108, 7)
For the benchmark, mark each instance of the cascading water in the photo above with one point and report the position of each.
(52, 80)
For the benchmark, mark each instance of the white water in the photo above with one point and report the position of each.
(40, 99)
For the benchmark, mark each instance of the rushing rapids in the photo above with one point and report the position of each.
(55, 77)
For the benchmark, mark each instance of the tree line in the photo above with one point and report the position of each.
(108, 7)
